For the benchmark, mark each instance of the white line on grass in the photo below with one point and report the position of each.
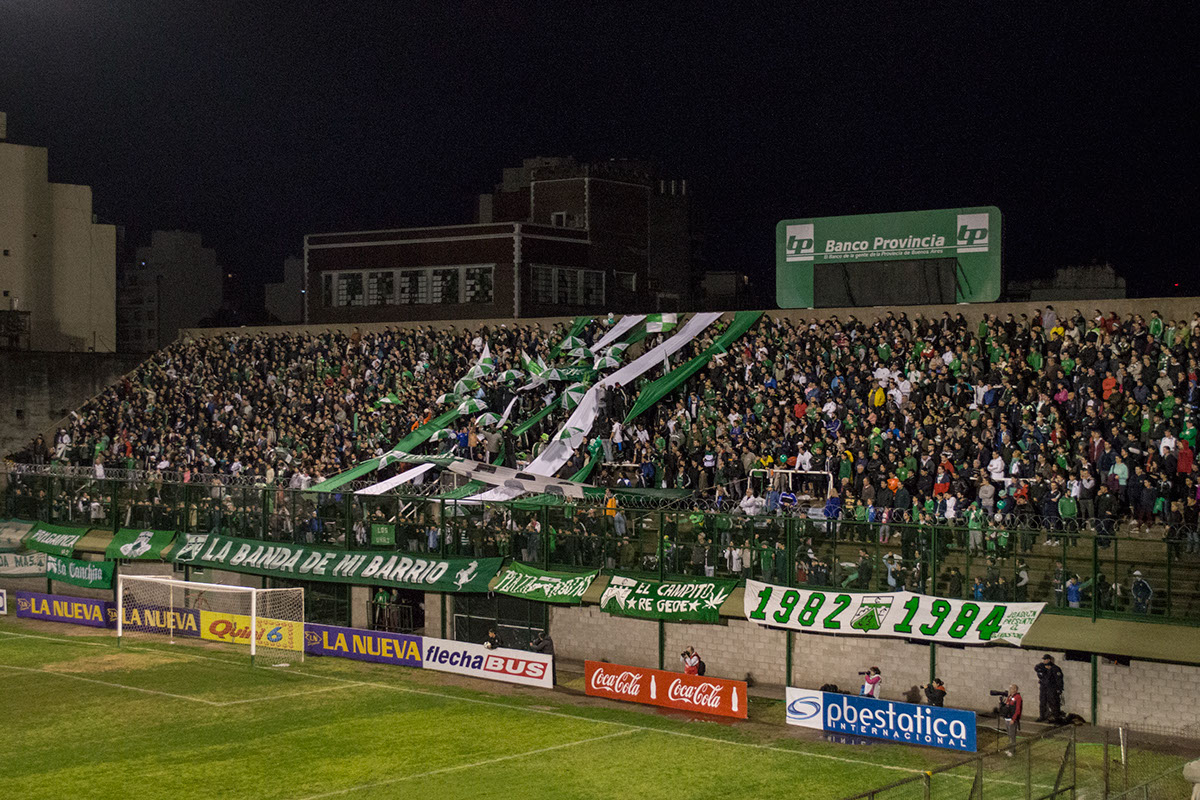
(629, 725)
(289, 694)
(113, 685)
(472, 765)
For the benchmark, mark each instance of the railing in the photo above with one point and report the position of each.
(1067, 761)
(1038, 768)
(1120, 574)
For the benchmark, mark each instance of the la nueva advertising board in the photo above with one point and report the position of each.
(931, 726)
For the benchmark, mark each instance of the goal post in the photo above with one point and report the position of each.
(266, 623)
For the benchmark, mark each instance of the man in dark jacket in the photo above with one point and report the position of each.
(544, 644)
(935, 693)
(1050, 685)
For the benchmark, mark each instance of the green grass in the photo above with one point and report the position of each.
(181, 721)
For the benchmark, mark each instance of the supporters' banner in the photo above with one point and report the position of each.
(676, 600)
(281, 634)
(667, 689)
(383, 534)
(23, 565)
(55, 540)
(76, 610)
(12, 535)
(89, 574)
(386, 568)
(547, 587)
(901, 614)
(378, 646)
(501, 664)
(134, 543)
(661, 323)
(931, 726)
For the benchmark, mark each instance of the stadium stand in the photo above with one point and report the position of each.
(879, 447)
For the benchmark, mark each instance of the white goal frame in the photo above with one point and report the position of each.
(173, 584)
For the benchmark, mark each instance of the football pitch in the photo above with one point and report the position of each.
(152, 719)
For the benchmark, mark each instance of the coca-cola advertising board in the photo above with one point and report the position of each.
(656, 687)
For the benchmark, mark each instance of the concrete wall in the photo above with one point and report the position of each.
(1127, 695)
(37, 390)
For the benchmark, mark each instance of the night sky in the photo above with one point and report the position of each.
(257, 123)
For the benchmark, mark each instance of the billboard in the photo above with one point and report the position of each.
(931, 726)
(966, 238)
(477, 661)
(657, 687)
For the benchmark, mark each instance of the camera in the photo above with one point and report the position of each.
(995, 693)
(864, 673)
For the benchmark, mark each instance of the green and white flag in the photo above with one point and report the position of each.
(390, 400)
(144, 545)
(682, 600)
(55, 540)
(547, 587)
(335, 565)
(89, 574)
(22, 565)
(661, 323)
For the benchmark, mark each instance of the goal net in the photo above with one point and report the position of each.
(268, 623)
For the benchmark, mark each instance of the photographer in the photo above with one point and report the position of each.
(1050, 689)
(691, 661)
(1010, 712)
(871, 681)
(545, 645)
(935, 693)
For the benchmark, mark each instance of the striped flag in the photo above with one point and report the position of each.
(661, 323)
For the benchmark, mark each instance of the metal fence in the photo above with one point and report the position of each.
(1074, 568)
(1068, 761)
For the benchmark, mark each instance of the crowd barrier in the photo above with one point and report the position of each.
(1119, 572)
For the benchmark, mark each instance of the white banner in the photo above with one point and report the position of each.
(23, 565)
(501, 664)
(12, 535)
(3, 601)
(626, 323)
(899, 614)
(396, 480)
(575, 432)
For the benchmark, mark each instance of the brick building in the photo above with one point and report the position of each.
(555, 238)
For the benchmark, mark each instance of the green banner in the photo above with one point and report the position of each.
(970, 236)
(383, 534)
(54, 540)
(307, 562)
(548, 587)
(144, 545)
(90, 574)
(22, 565)
(696, 600)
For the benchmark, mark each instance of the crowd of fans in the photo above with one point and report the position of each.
(1019, 430)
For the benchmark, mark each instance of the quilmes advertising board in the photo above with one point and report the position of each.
(970, 235)
(930, 726)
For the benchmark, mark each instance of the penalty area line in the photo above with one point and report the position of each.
(113, 685)
(472, 765)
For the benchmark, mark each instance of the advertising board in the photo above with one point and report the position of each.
(931, 726)
(501, 664)
(667, 689)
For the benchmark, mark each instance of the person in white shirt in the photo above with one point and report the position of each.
(871, 683)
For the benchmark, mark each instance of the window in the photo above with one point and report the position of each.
(478, 285)
(559, 219)
(350, 289)
(568, 286)
(627, 281)
(444, 288)
(405, 287)
(412, 287)
(381, 287)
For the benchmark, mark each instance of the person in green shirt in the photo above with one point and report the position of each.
(380, 602)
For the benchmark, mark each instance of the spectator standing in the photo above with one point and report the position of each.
(1050, 689)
